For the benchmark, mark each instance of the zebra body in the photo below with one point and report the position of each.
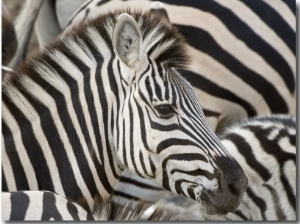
(48, 206)
(107, 97)
(266, 149)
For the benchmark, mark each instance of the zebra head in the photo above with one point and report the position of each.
(159, 129)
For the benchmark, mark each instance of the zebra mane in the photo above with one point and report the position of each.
(131, 211)
(278, 120)
(160, 41)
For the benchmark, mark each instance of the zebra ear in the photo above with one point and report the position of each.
(158, 10)
(127, 40)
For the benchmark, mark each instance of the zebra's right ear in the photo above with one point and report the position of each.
(127, 40)
(158, 10)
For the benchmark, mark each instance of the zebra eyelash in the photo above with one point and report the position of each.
(165, 110)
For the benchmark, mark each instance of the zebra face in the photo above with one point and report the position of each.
(164, 133)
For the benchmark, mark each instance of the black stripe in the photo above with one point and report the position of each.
(139, 184)
(291, 4)
(143, 126)
(210, 113)
(13, 156)
(19, 205)
(180, 191)
(212, 88)
(124, 195)
(148, 88)
(196, 172)
(142, 163)
(279, 212)
(188, 157)
(72, 209)
(240, 214)
(4, 181)
(174, 142)
(49, 207)
(131, 135)
(244, 33)
(79, 11)
(102, 2)
(246, 151)
(289, 190)
(124, 145)
(273, 19)
(157, 87)
(258, 201)
(161, 127)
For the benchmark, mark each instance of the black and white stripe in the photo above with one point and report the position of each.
(106, 97)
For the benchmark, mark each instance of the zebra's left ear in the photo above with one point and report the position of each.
(127, 41)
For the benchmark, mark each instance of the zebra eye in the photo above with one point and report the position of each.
(165, 110)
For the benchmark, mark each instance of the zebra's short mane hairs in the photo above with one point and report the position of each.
(281, 120)
(110, 210)
(160, 40)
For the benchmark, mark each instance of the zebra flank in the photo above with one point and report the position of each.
(105, 97)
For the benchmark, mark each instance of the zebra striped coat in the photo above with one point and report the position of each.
(107, 97)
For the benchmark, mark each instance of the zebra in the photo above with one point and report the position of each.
(107, 97)
(48, 206)
(217, 67)
(265, 147)
(224, 108)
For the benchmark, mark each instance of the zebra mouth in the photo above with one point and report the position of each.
(215, 205)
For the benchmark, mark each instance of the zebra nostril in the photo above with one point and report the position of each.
(232, 190)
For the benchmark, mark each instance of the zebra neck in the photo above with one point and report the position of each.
(60, 106)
